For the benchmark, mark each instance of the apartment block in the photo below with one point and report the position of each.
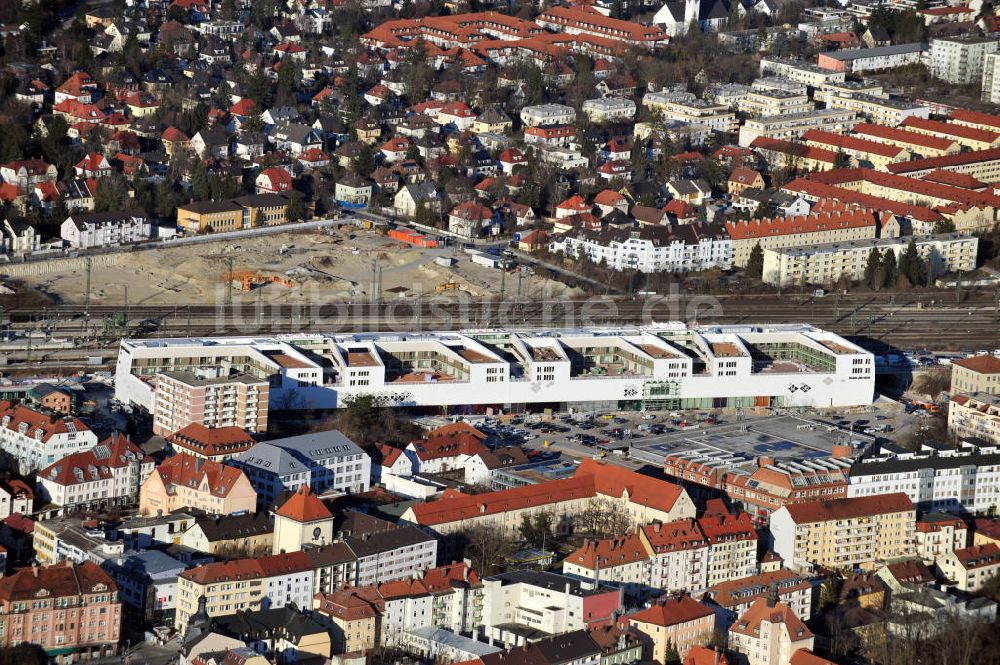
(960, 60)
(844, 533)
(760, 103)
(861, 152)
(800, 71)
(976, 374)
(37, 440)
(855, 61)
(680, 622)
(732, 598)
(185, 481)
(769, 633)
(878, 110)
(523, 603)
(991, 78)
(970, 568)
(682, 248)
(827, 263)
(182, 398)
(732, 543)
(86, 230)
(936, 477)
(544, 115)
(975, 416)
(792, 126)
(686, 107)
(938, 534)
(218, 444)
(228, 587)
(829, 221)
(109, 474)
(70, 610)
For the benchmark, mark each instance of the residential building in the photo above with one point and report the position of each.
(732, 543)
(800, 71)
(71, 610)
(686, 107)
(589, 22)
(792, 126)
(935, 477)
(825, 264)
(16, 497)
(861, 152)
(769, 633)
(388, 553)
(975, 375)
(959, 60)
(991, 78)
(58, 399)
(609, 109)
(970, 568)
(147, 581)
(18, 237)
(975, 416)
(732, 598)
(523, 603)
(233, 537)
(543, 115)
(185, 481)
(86, 230)
(844, 533)
(109, 474)
(784, 154)
(879, 58)
(645, 499)
(218, 444)
(938, 534)
(228, 587)
(324, 461)
(352, 191)
(680, 622)
(971, 138)
(878, 110)
(352, 619)
(37, 440)
(288, 634)
(828, 222)
(923, 145)
(182, 398)
(759, 103)
(649, 248)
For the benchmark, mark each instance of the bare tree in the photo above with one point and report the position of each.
(604, 518)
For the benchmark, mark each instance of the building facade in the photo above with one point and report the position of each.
(37, 440)
(108, 474)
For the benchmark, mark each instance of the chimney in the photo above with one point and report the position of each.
(765, 461)
(840, 451)
(772, 595)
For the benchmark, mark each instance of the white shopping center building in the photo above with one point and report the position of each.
(660, 366)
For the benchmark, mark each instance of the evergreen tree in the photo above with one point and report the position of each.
(294, 211)
(872, 267)
(944, 226)
(911, 265)
(755, 264)
(200, 188)
(890, 271)
(670, 654)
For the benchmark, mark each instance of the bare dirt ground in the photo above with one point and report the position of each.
(332, 265)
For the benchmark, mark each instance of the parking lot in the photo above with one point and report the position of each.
(636, 439)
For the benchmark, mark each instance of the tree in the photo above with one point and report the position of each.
(670, 654)
(23, 654)
(200, 188)
(294, 210)
(872, 268)
(536, 529)
(755, 264)
(911, 265)
(829, 592)
(944, 226)
(890, 271)
(603, 518)
(288, 78)
(366, 161)
(486, 547)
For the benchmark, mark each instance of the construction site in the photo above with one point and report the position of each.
(343, 264)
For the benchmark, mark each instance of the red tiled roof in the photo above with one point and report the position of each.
(759, 612)
(699, 655)
(16, 415)
(954, 179)
(976, 118)
(839, 509)
(903, 136)
(959, 159)
(807, 657)
(845, 218)
(848, 142)
(63, 579)
(672, 612)
(985, 364)
(822, 190)
(792, 148)
(978, 556)
(211, 441)
(609, 552)
(96, 464)
(304, 506)
(911, 570)
(616, 481)
(950, 129)
(174, 135)
(189, 471)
